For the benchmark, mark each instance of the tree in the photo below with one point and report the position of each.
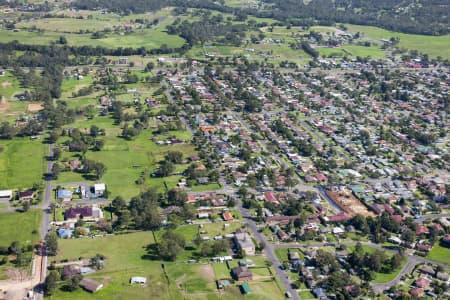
(357, 256)
(176, 197)
(94, 130)
(149, 67)
(165, 168)
(99, 169)
(15, 248)
(97, 261)
(251, 180)
(73, 282)
(62, 40)
(175, 157)
(214, 176)
(51, 243)
(396, 261)
(118, 204)
(26, 205)
(171, 245)
(50, 282)
(56, 153)
(98, 145)
(408, 236)
(53, 210)
(124, 218)
(55, 170)
(374, 261)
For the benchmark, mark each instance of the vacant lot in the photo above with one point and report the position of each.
(439, 254)
(21, 163)
(10, 107)
(11, 232)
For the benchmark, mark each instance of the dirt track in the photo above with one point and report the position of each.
(17, 288)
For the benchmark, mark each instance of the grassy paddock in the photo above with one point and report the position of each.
(21, 163)
(28, 221)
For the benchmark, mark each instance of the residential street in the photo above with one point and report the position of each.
(269, 251)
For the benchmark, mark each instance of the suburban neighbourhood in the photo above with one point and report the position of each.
(213, 151)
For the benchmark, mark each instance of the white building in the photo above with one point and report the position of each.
(99, 189)
(6, 195)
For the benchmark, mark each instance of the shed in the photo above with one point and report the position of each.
(138, 279)
(90, 285)
(245, 288)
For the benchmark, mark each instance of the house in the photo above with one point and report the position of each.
(422, 282)
(319, 293)
(203, 180)
(6, 195)
(442, 276)
(227, 216)
(294, 255)
(26, 195)
(64, 195)
(244, 242)
(87, 213)
(446, 240)
(283, 236)
(416, 292)
(90, 285)
(241, 273)
(99, 189)
(203, 215)
(65, 233)
(70, 270)
(427, 270)
(422, 230)
(138, 279)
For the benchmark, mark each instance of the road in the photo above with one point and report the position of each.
(45, 226)
(269, 251)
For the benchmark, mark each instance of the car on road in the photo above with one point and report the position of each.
(288, 295)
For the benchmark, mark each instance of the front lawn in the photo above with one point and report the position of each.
(439, 254)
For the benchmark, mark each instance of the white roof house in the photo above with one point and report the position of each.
(138, 279)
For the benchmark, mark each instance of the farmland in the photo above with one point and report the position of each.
(434, 46)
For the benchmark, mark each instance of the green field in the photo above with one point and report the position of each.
(432, 45)
(125, 257)
(148, 38)
(439, 254)
(11, 232)
(352, 51)
(21, 163)
(381, 277)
